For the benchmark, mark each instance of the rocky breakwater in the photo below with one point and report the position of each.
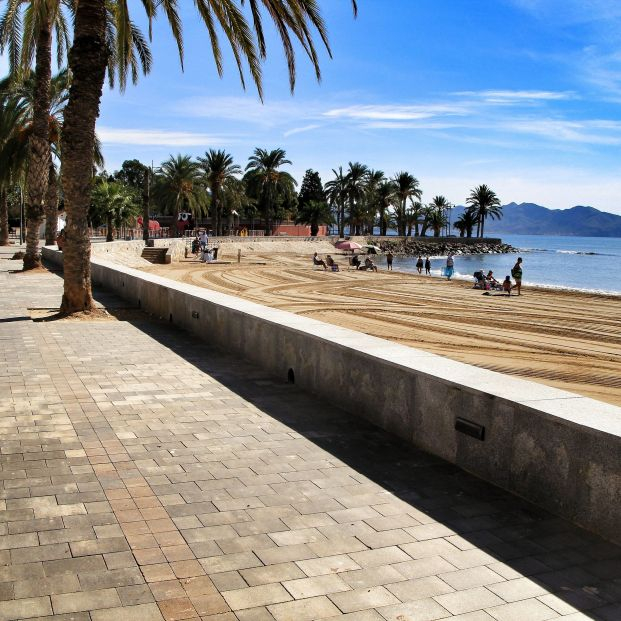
(442, 246)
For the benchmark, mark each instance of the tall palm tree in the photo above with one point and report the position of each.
(374, 179)
(355, 183)
(436, 218)
(28, 36)
(13, 118)
(218, 168)
(178, 186)
(440, 203)
(115, 203)
(416, 215)
(266, 183)
(466, 222)
(314, 214)
(336, 193)
(385, 194)
(294, 19)
(407, 188)
(486, 204)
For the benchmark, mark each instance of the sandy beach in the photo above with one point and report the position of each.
(565, 339)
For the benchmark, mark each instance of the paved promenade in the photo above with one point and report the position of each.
(145, 476)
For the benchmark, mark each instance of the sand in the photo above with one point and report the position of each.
(565, 339)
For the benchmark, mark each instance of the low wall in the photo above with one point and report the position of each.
(557, 449)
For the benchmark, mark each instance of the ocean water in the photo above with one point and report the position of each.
(581, 263)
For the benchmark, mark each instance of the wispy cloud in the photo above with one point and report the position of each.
(602, 132)
(299, 130)
(397, 112)
(158, 137)
(521, 97)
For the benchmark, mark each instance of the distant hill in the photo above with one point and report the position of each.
(532, 219)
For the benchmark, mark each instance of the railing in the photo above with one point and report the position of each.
(130, 233)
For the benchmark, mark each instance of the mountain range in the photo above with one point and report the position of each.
(532, 219)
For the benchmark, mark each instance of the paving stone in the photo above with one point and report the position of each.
(272, 573)
(318, 585)
(142, 612)
(86, 600)
(256, 596)
(361, 599)
(421, 610)
(26, 608)
(420, 588)
(304, 610)
(473, 577)
(530, 609)
(469, 600)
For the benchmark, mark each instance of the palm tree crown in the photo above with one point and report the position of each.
(484, 202)
(407, 187)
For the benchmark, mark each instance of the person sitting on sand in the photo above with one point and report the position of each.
(318, 261)
(331, 264)
(355, 261)
(506, 285)
(491, 280)
(368, 263)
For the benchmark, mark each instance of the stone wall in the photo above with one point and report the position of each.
(557, 449)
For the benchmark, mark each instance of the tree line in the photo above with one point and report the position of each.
(357, 200)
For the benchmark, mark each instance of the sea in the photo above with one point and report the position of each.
(589, 264)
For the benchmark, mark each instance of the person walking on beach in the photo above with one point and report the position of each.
(427, 266)
(389, 258)
(419, 264)
(516, 272)
(450, 266)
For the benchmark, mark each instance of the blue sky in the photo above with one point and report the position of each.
(523, 95)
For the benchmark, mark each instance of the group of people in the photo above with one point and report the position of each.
(488, 281)
(330, 263)
(426, 264)
(200, 248)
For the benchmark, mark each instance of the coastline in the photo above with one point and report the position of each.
(560, 337)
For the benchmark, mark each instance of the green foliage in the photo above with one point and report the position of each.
(178, 186)
(314, 214)
(311, 189)
(114, 203)
(484, 203)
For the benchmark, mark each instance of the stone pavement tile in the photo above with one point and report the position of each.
(211, 604)
(65, 583)
(86, 600)
(337, 545)
(142, 612)
(282, 554)
(473, 577)
(135, 594)
(126, 576)
(362, 615)
(467, 601)
(159, 572)
(530, 609)
(386, 538)
(25, 608)
(429, 531)
(304, 610)
(432, 547)
(177, 609)
(420, 588)
(230, 562)
(119, 560)
(272, 573)
(251, 597)
(254, 614)
(609, 613)
(515, 590)
(318, 585)
(558, 604)
(228, 581)
(327, 565)
(421, 610)
(463, 559)
(360, 599)
(380, 556)
(372, 576)
(167, 589)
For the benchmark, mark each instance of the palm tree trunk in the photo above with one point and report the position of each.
(87, 62)
(51, 207)
(38, 145)
(482, 225)
(342, 219)
(146, 191)
(4, 219)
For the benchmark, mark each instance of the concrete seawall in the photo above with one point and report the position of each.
(557, 449)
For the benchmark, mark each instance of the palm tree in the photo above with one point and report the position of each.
(266, 183)
(385, 196)
(374, 179)
(292, 18)
(416, 214)
(440, 203)
(436, 218)
(355, 184)
(407, 187)
(178, 185)
(486, 204)
(336, 192)
(114, 202)
(32, 30)
(13, 117)
(218, 168)
(314, 213)
(465, 223)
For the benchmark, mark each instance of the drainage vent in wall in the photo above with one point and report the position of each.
(291, 376)
(469, 428)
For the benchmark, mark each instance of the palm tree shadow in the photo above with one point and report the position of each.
(581, 569)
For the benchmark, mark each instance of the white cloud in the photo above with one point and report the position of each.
(389, 112)
(158, 137)
(517, 96)
(299, 130)
(601, 132)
